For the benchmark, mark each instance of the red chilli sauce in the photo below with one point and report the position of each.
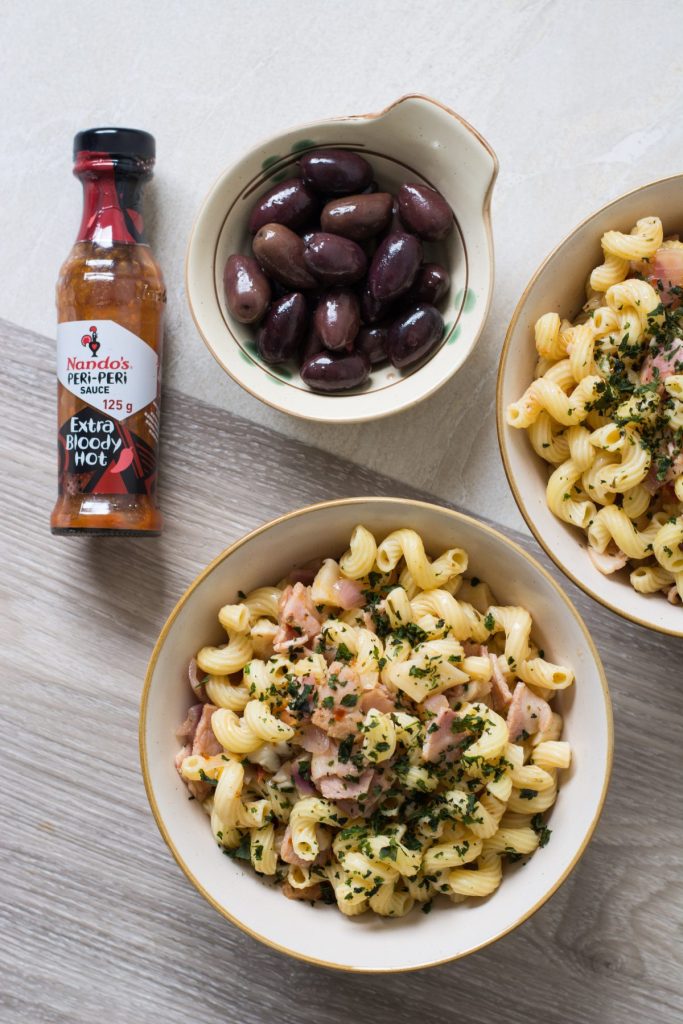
(110, 305)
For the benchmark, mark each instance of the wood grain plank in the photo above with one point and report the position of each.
(97, 919)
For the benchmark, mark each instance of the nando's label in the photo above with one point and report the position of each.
(115, 373)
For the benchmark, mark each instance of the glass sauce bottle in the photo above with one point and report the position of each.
(110, 305)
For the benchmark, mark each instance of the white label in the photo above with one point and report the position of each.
(106, 366)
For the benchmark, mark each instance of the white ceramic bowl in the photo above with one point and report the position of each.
(322, 935)
(558, 285)
(415, 138)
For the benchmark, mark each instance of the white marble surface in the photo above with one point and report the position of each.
(580, 100)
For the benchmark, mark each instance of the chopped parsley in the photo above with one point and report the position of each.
(542, 831)
(299, 696)
(343, 653)
(241, 852)
(345, 748)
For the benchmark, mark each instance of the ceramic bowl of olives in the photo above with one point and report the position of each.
(343, 271)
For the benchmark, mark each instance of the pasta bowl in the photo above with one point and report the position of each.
(558, 286)
(320, 934)
(414, 139)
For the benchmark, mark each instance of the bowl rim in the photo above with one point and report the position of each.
(502, 427)
(300, 513)
(488, 231)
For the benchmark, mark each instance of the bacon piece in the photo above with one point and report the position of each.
(434, 704)
(287, 637)
(664, 272)
(304, 786)
(314, 740)
(659, 364)
(501, 694)
(328, 763)
(185, 734)
(289, 772)
(199, 790)
(328, 766)
(382, 781)
(287, 851)
(297, 610)
(369, 622)
(333, 787)
(195, 682)
(651, 481)
(379, 698)
(339, 780)
(349, 594)
(299, 620)
(284, 773)
(441, 741)
(310, 893)
(528, 713)
(304, 573)
(205, 743)
(339, 712)
(607, 563)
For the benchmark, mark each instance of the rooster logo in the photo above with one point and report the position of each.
(91, 341)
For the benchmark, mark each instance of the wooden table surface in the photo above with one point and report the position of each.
(99, 924)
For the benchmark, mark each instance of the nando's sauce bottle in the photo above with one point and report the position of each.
(110, 303)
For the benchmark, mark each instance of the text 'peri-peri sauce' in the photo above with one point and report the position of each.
(110, 304)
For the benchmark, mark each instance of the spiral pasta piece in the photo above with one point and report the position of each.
(612, 523)
(389, 901)
(552, 754)
(263, 603)
(545, 394)
(667, 546)
(515, 622)
(452, 854)
(322, 588)
(224, 694)
(604, 322)
(541, 673)
(481, 882)
(549, 344)
(224, 661)
(398, 609)
(648, 579)
(531, 801)
(306, 815)
(409, 545)
(613, 270)
(551, 445)
(360, 557)
(462, 618)
(580, 346)
(562, 499)
(641, 244)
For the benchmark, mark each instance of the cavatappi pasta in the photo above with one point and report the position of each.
(393, 740)
(605, 410)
